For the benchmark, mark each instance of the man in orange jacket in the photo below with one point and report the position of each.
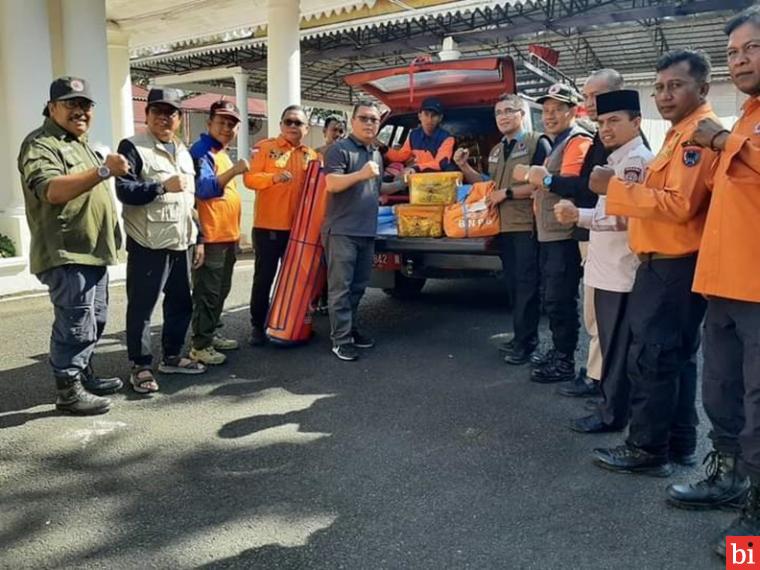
(666, 218)
(278, 170)
(727, 274)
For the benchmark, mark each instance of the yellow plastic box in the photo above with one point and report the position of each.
(427, 188)
(419, 221)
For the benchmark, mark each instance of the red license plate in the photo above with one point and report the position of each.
(387, 261)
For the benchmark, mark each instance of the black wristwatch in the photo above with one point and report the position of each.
(509, 194)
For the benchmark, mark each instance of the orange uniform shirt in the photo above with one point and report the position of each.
(276, 204)
(730, 249)
(574, 155)
(667, 211)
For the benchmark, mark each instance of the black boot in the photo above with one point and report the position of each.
(561, 368)
(541, 358)
(100, 386)
(629, 459)
(746, 524)
(518, 353)
(581, 387)
(74, 399)
(723, 488)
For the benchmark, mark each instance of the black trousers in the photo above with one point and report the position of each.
(519, 260)
(269, 248)
(665, 317)
(731, 384)
(149, 272)
(614, 338)
(560, 275)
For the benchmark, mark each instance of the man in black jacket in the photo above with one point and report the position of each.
(576, 188)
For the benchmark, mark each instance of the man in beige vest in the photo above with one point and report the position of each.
(518, 247)
(163, 240)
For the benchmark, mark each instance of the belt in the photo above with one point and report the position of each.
(644, 257)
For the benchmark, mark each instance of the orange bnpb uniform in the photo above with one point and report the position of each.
(730, 249)
(276, 203)
(667, 211)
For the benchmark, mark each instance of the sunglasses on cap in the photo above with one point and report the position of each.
(293, 123)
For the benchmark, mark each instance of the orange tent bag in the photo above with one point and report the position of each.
(473, 218)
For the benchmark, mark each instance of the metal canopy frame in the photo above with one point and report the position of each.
(627, 35)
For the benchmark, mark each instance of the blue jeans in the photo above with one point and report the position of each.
(79, 294)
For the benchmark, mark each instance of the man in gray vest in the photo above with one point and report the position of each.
(559, 254)
(163, 239)
(518, 246)
(75, 235)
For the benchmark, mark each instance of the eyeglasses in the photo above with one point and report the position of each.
(293, 123)
(84, 104)
(367, 120)
(506, 112)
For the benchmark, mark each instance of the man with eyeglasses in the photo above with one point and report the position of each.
(429, 146)
(277, 174)
(354, 183)
(219, 208)
(666, 216)
(517, 243)
(727, 274)
(163, 239)
(75, 235)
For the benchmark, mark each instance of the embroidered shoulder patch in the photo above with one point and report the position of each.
(691, 156)
(632, 174)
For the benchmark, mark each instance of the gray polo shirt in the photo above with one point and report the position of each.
(352, 212)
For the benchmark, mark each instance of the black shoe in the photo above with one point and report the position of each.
(746, 524)
(628, 459)
(723, 488)
(592, 424)
(541, 358)
(361, 341)
(592, 405)
(74, 399)
(580, 387)
(100, 386)
(257, 337)
(346, 352)
(518, 354)
(561, 368)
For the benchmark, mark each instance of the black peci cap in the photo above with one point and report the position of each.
(623, 100)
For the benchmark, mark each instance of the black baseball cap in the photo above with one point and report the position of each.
(432, 104)
(226, 108)
(561, 92)
(67, 87)
(622, 100)
(166, 96)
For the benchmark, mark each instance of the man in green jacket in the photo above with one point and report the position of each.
(75, 235)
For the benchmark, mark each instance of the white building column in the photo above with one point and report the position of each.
(283, 59)
(25, 75)
(120, 81)
(85, 55)
(241, 100)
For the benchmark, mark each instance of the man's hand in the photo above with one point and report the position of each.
(495, 198)
(176, 183)
(708, 133)
(370, 170)
(599, 179)
(282, 176)
(566, 212)
(241, 166)
(461, 156)
(520, 173)
(117, 164)
(199, 255)
(536, 175)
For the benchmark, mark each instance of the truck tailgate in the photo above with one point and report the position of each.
(473, 246)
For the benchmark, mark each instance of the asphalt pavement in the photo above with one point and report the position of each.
(428, 453)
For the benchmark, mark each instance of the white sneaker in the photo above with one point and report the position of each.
(208, 355)
(222, 343)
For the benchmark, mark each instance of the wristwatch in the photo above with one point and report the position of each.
(104, 172)
(547, 181)
(509, 195)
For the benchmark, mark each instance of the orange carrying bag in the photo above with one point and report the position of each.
(302, 270)
(473, 218)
